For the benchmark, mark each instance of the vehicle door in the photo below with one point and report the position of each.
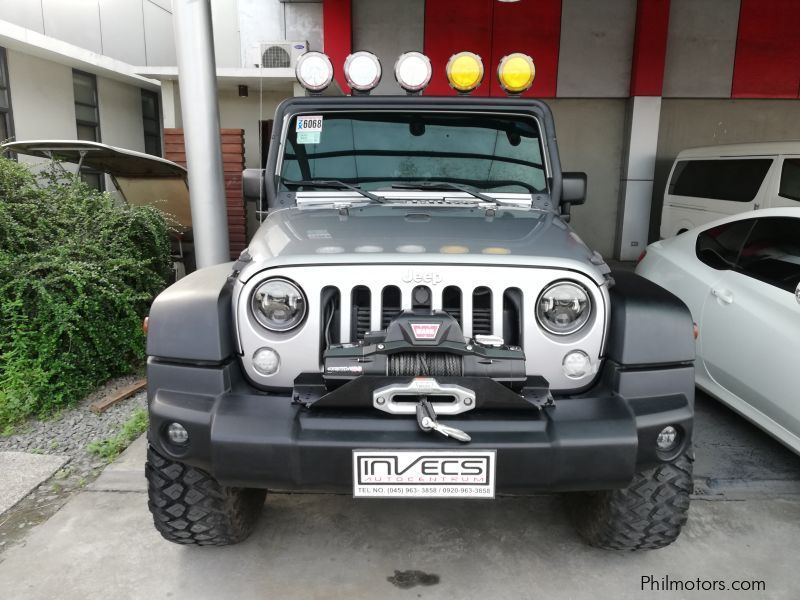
(751, 321)
(701, 190)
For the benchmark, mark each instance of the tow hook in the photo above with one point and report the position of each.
(426, 419)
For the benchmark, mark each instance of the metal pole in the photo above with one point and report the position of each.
(197, 80)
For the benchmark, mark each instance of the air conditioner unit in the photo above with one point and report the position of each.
(275, 55)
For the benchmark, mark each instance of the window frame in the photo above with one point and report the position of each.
(96, 106)
(681, 164)
(7, 114)
(157, 104)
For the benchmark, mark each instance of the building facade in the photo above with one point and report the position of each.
(631, 82)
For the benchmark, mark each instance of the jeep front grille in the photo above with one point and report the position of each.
(347, 300)
(352, 309)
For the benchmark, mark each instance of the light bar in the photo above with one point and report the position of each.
(413, 71)
(516, 72)
(464, 71)
(362, 70)
(314, 71)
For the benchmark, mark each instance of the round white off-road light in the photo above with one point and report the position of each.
(413, 71)
(576, 364)
(266, 361)
(667, 438)
(314, 71)
(362, 70)
(177, 434)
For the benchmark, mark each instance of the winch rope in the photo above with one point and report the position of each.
(425, 363)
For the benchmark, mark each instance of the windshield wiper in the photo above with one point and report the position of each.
(332, 183)
(444, 185)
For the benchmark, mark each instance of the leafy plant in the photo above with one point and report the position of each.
(77, 274)
(110, 448)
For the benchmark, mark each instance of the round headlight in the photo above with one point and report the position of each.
(279, 305)
(413, 71)
(314, 71)
(362, 71)
(563, 308)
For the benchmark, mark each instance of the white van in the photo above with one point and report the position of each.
(717, 181)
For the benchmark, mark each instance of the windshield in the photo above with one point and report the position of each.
(373, 150)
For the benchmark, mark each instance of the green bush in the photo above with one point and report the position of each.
(77, 274)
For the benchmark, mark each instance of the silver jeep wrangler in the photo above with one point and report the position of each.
(415, 318)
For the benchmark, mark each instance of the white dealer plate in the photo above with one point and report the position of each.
(423, 473)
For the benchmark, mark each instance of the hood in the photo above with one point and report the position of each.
(420, 234)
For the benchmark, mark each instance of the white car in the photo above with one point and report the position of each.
(740, 277)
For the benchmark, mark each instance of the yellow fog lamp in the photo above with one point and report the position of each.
(314, 71)
(464, 71)
(516, 72)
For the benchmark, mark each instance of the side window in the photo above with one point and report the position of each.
(790, 179)
(719, 246)
(735, 179)
(772, 253)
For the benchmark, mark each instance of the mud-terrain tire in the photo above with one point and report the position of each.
(191, 507)
(646, 515)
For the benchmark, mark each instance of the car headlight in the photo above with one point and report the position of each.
(279, 305)
(563, 308)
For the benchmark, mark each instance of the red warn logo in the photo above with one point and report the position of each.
(425, 331)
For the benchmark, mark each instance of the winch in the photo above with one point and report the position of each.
(425, 343)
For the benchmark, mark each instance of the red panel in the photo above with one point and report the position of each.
(767, 50)
(534, 28)
(649, 48)
(453, 26)
(337, 26)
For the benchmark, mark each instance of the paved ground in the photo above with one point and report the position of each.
(102, 544)
(21, 472)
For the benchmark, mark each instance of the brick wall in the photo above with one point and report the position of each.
(233, 163)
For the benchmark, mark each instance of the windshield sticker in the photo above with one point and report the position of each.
(309, 129)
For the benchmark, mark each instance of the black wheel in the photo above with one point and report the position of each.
(646, 515)
(191, 507)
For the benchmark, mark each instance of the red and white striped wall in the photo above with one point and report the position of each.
(589, 48)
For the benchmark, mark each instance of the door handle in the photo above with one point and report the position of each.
(724, 296)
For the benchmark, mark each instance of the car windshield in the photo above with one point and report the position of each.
(500, 153)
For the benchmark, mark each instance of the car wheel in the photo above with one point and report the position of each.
(191, 507)
(648, 514)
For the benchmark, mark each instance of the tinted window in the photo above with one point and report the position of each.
(772, 252)
(492, 152)
(719, 247)
(6, 120)
(737, 180)
(151, 122)
(790, 179)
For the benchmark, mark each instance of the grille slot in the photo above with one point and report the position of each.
(486, 311)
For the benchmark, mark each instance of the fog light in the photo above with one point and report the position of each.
(177, 434)
(576, 364)
(667, 438)
(266, 361)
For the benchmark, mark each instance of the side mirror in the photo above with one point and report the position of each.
(252, 180)
(573, 188)
(573, 191)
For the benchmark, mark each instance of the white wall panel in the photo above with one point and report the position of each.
(121, 114)
(159, 36)
(25, 13)
(76, 22)
(122, 29)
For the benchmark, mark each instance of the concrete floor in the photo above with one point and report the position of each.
(102, 543)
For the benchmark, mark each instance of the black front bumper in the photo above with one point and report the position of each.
(245, 437)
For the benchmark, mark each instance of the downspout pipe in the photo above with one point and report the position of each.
(197, 80)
